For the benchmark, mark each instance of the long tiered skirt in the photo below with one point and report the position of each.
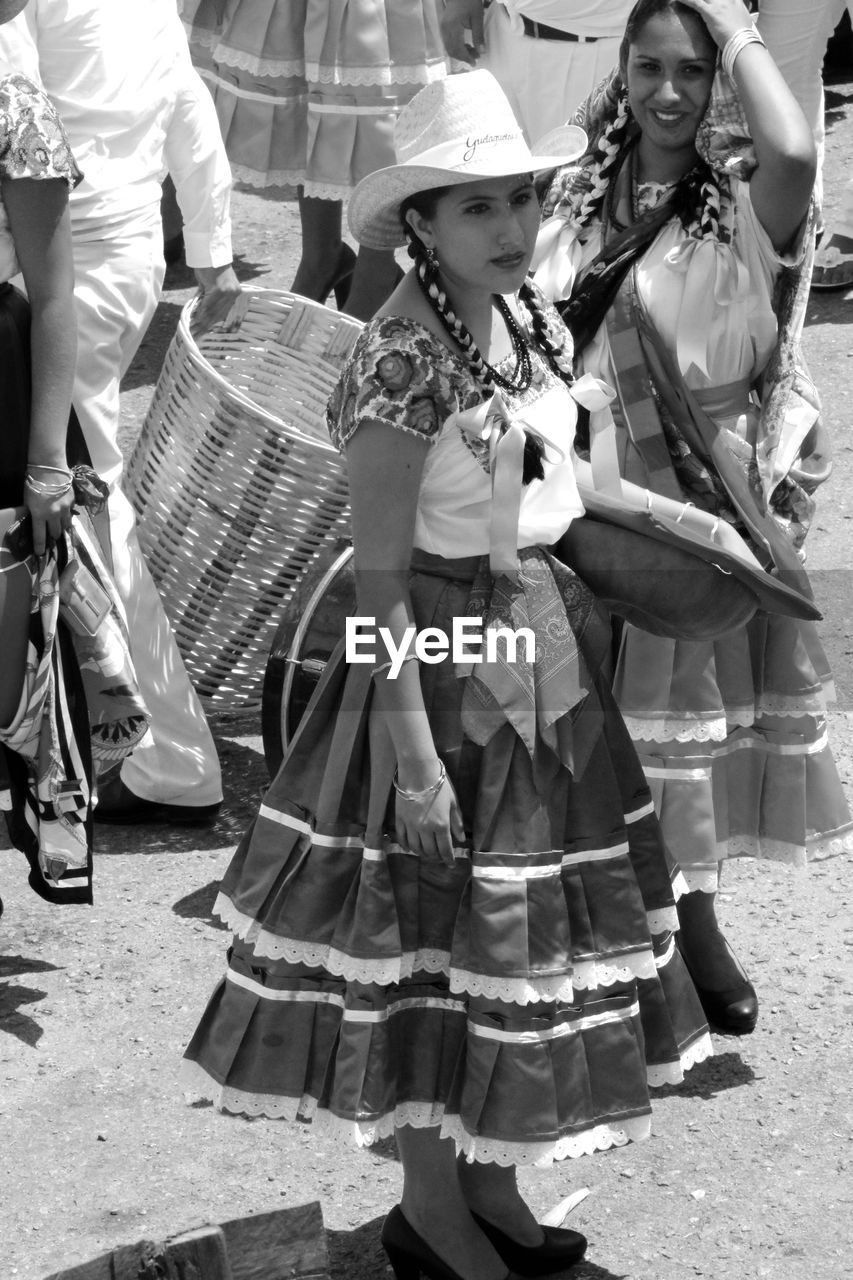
(524, 999)
(732, 735)
(307, 91)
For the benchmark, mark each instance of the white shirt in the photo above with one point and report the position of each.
(601, 18)
(134, 109)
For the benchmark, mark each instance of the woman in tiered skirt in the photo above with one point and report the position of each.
(307, 92)
(454, 914)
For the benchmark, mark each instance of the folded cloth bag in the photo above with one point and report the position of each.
(667, 566)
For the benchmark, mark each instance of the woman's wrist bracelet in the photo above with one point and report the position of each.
(47, 490)
(735, 45)
(427, 791)
(386, 666)
(44, 466)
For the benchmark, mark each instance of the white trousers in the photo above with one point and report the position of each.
(797, 32)
(118, 283)
(544, 80)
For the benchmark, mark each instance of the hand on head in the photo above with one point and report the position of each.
(722, 17)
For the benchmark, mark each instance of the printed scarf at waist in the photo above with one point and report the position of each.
(545, 700)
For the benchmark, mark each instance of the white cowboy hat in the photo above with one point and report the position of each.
(455, 130)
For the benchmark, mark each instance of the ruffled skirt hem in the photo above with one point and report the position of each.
(732, 737)
(199, 1086)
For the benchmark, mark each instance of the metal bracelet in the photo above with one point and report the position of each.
(48, 490)
(735, 44)
(428, 791)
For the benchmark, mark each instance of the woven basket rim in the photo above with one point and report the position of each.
(195, 354)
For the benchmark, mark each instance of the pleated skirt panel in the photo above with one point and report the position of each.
(523, 999)
(732, 735)
(307, 92)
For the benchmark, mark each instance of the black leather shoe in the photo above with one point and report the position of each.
(560, 1249)
(118, 804)
(409, 1254)
(734, 1012)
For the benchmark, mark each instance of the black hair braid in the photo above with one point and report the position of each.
(549, 340)
(426, 272)
(601, 167)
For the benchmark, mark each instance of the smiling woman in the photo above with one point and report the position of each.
(679, 252)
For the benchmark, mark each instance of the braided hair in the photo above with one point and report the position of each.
(547, 334)
(703, 199)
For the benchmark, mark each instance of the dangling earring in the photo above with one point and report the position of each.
(432, 258)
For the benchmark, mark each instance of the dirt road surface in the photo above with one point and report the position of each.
(748, 1173)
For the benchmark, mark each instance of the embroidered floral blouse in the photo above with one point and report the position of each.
(401, 375)
(32, 145)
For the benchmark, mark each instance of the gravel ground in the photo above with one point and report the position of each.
(748, 1172)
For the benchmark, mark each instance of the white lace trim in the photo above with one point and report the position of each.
(781, 704)
(326, 190)
(387, 972)
(685, 730)
(589, 974)
(702, 879)
(384, 971)
(415, 73)
(830, 846)
(673, 1072)
(274, 178)
(664, 920)
(290, 69)
(542, 1154)
(796, 855)
(697, 729)
(198, 1086)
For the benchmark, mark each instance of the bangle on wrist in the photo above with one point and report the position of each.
(47, 489)
(735, 45)
(44, 466)
(427, 791)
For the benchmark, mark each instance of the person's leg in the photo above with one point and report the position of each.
(491, 1191)
(375, 277)
(117, 288)
(326, 260)
(435, 1208)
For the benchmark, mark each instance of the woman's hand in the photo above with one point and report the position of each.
(431, 827)
(50, 505)
(722, 17)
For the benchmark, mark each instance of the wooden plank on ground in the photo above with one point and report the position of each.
(287, 1244)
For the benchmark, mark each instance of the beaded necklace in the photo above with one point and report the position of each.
(521, 378)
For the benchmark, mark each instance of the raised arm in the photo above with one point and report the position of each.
(38, 219)
(385, 467)
(781, 186)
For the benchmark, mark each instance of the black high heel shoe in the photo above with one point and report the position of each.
(734, 1012)
(342, 281)
(409, 1254)
(560, 1249)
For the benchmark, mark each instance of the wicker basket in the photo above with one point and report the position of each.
(236, 485)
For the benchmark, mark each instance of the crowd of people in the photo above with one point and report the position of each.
(477, 906)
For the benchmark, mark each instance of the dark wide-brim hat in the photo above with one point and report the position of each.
(455, 130)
